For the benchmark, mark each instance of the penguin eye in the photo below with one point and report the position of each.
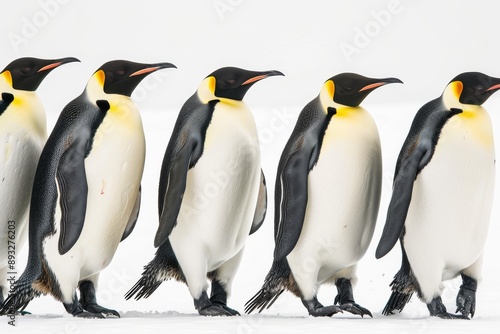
(120, 72)
(26, 69)
(231, 81)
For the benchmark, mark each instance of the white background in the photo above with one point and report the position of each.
(424, 43)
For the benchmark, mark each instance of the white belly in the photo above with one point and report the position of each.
(19, 153)
(114, 170)
(343, 198)
(221, 191)
(22, 136)
(449, 214)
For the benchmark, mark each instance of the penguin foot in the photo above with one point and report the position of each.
(225, 307)
(104, 312)
(219, 297)
(451, 316)
(345, 298)
(89, 315)
(356, 309)
(207, 307)
(466, 298)
(437, 309)
(316, 309)
(88, 301)
(75, 309)
(217, 311)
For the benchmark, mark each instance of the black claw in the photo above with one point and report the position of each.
(345, 298)
(214, 311)
(446, 315)
(89, 315)
(88, 301)
(218, 307)
(437, 309)
(225, 307)
(97, 309)
(356, 309)
(315, 308)
(466, 298)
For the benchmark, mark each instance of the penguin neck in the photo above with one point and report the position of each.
(206, 93)
(6, 83)
(95, 91)
(326, 98)
(451, 96)
(25, 109)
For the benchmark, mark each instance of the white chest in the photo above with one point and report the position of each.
(452, 196)
(343, 193)
(221, 190)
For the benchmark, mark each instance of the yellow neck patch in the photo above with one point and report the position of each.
(7, 76)
(206, 90)
(457, 88)
(326, 95)
(211, 84)
(100, 76)
(329, 87)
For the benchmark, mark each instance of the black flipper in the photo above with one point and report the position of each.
(261, 207)
(133, 216)
(298, 158)
(173, 197)
(7, 99)
(183, 151)
(400, 201)
(416, 153)
(293, 181)
(73, 190)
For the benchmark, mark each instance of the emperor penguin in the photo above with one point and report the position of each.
(442, 197)
(212, 192)
(23, 132)
(327, 196)
(86, 192)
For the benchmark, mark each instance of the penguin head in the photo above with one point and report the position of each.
(350, 89)
(473, 87)
(122, 76)
(233, 83)
(27, 73)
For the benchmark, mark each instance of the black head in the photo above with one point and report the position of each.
(123, 76)
(474, 87)
(351, 88)
(27, 73)
(233, 83)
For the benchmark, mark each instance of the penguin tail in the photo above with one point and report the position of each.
(403, 287)
(277, 280)
(20, 296)
(397, 301)
(163, 267)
